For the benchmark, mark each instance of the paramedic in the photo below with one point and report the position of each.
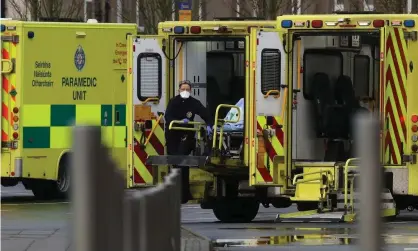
(183, 107)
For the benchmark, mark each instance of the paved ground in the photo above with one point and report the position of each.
(30, 225)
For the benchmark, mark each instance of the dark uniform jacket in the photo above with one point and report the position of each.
(178, 109)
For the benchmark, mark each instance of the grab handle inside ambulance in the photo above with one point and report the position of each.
(222, 121)
(274, 93)
(154, 100)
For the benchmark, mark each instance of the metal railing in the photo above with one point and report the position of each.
(349, 201)
(105, 218)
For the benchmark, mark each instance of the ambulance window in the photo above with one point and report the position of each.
(270, 70)
(361, 75)
(149, 81)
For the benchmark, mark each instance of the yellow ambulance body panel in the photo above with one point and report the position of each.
(54, 76)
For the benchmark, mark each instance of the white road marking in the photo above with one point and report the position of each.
(35, 203)
(14, 193)
(191, 207)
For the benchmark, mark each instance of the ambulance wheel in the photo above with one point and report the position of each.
(64, 179)
(50, 189)
(236, 210)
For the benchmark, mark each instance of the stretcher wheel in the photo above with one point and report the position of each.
(236, 210)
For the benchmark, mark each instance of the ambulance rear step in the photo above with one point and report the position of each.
(180, 160)
(311, 216)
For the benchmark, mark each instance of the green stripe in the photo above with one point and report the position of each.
(36, 137)
(120, 113)
(62, 115)
(106, 118)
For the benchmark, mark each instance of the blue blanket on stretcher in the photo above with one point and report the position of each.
(232, 115)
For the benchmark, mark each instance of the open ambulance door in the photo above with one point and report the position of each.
(394, 70)
(267, 115)
(147, 71)
(9, 144)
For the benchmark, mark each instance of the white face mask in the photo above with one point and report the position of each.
(185, 94)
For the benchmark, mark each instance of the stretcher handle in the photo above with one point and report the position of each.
(154, 100)
(153, 129)
(171, 127)
(6, 70)
(224, 121)
(274, 93)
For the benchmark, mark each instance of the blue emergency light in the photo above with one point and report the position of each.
(3, 27)
(287, 23)
(179, 30)
(409, 23)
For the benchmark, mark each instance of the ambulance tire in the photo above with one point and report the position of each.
(240, 210)
(53, 190)
(62, 185)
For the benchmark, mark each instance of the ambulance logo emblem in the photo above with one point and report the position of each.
(189, 114)
(79, 58)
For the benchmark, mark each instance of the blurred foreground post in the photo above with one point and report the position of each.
(153, 221)
(98, 193)
(367, 141)
(105, 219)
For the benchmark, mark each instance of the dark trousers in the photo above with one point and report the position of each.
(181, 144)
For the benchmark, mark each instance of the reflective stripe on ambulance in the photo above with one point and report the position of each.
(395, 96)
(274, 148)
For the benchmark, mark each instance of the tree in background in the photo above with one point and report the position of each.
(36, 9)
(384, 6)
(269, 9)
(154, 11)
(150, 12)
(391, 6)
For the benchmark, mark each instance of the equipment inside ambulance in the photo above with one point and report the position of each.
(216, 69)
(337, 82)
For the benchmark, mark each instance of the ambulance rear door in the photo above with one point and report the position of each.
(9, 128)
(268, 97)
(148, 74)
(394, 71)
(412, 107)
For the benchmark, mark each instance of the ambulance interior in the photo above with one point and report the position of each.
(216, 70)
(338, 77)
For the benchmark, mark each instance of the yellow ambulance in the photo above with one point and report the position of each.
(339, 65)
(294, 89)
(56, 75)
(211, 54)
